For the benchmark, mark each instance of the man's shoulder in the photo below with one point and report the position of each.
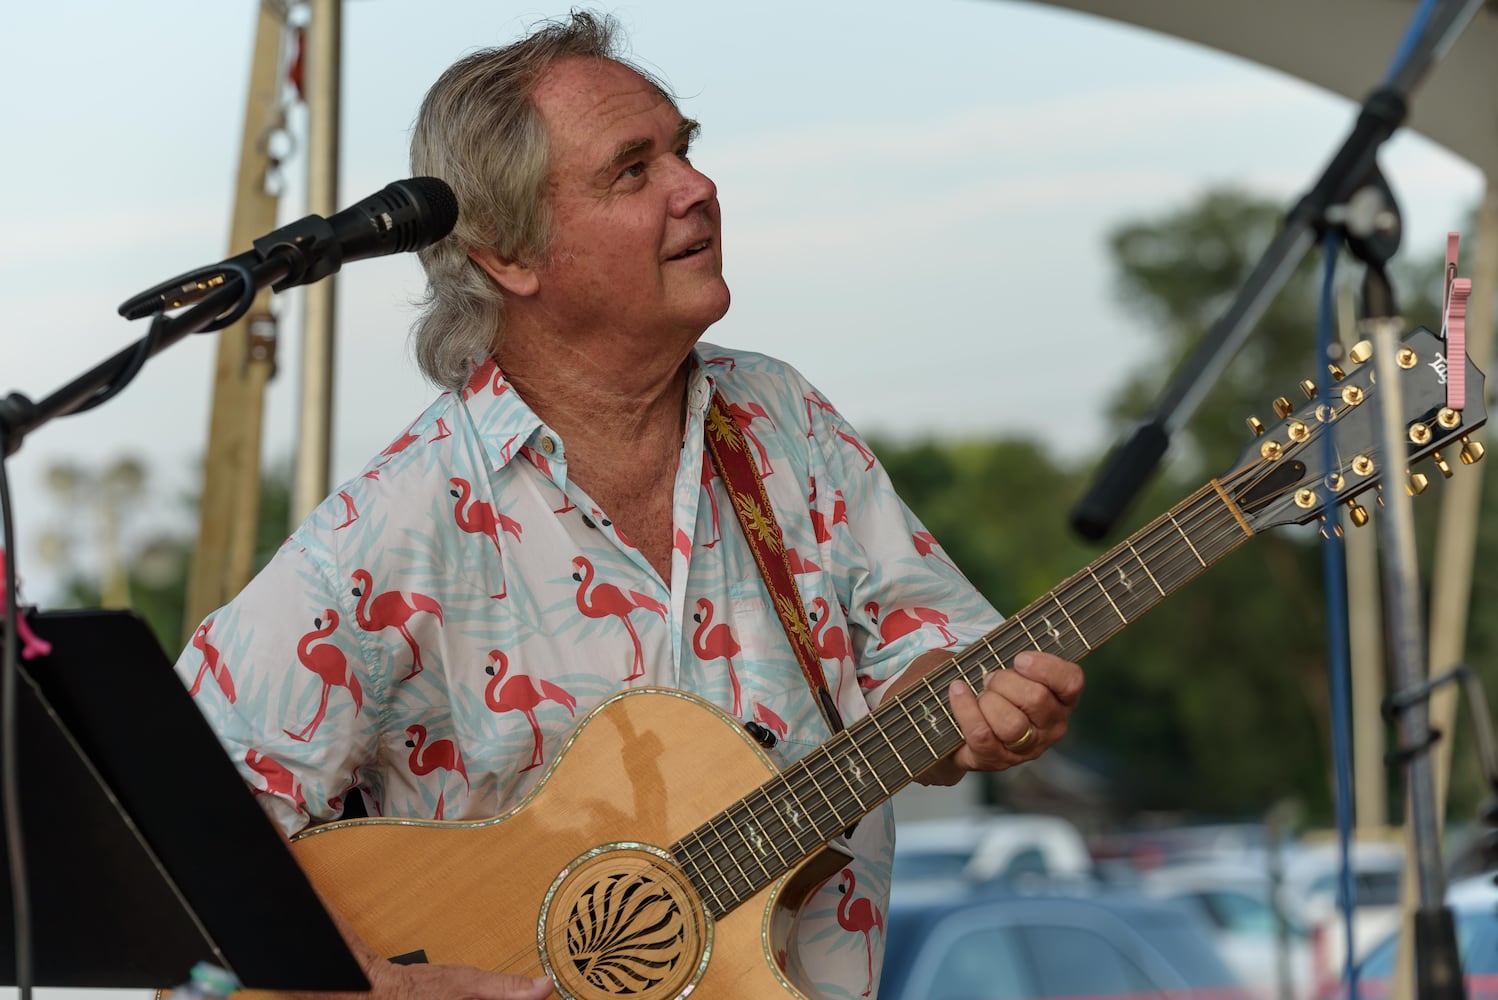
(732, 366)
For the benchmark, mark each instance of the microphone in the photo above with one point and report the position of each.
(405, 215)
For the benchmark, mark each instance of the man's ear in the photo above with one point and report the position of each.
(513, 276)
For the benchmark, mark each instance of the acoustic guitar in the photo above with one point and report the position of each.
(663, 854)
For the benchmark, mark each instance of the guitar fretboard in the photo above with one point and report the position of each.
(774, 828)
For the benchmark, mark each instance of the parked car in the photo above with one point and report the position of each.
(997, 943)
(989, 847)
(1474, 907)
(1311, 895)
(1268, 949)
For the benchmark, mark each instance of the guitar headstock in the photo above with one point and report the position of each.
(1290, 476)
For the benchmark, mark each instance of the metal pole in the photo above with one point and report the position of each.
(315, 436)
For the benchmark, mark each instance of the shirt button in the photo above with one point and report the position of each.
(549, 444)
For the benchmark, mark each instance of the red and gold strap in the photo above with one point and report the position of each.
(751, 504)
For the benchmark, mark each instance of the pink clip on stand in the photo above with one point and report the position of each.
(32, 645)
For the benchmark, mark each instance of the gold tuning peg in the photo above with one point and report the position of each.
(1256, 425)
(1472, 451)
(1308, 387)
(1337, 373)
(1416, 483)
(1330, 530)
(1441, 464)
(1361, 352)
(1282, 407)
(1357, 513)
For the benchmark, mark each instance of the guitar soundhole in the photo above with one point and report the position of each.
(624, 922)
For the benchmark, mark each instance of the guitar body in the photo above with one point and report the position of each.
(581, 863)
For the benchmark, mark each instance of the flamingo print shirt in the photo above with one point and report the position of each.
(432, 633)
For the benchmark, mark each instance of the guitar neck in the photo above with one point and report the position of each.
(791, 817)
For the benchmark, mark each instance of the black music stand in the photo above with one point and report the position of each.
(146, 851)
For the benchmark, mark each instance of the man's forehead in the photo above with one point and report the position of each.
(594, 93)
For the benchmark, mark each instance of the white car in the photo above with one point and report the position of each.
(1012, 846)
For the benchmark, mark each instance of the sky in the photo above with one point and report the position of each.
(916, 199)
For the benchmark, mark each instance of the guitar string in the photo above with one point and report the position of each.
(1205, 503)
(1174, 567)
(838, 814)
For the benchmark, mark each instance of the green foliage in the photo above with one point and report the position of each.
(1216, 703)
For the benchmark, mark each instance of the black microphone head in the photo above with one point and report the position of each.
(405, 215)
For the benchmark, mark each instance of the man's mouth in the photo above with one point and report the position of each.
(692, 250)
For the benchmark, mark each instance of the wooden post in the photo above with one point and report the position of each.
(315, 434)
(223, 559)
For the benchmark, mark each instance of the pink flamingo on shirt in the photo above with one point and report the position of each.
(329, 664)
(859, 916)
(278, 780)
(716, 642)
(708, 472)
(438, 755)
(392, 609)
(608, 601)
(819, 523)
(745, 415)
(903, 621)
(832, 643)
(926, 545)
(519, 693)
(213, 663)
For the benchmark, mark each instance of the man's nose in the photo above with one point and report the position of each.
(692, 189)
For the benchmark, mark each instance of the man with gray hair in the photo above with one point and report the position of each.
(598, 503)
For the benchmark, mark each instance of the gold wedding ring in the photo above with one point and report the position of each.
(1024, 742)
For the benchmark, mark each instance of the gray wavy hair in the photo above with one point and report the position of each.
(479, 130)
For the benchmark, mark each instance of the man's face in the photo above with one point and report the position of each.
(635, 238)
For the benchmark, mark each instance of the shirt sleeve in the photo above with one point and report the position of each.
(902, 594)
(291, 697)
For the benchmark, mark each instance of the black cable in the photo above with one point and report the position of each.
(10, 774)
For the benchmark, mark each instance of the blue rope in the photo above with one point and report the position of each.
(1411, 38)
(1334, 573)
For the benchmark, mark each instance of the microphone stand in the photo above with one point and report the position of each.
(231, 288)
(229, 299)
(1438, 971)
(1128, 467)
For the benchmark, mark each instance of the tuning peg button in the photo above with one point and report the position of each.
(1416, 483)
(1472, 451)
(1361, 352)
(1308, 387)
(1256, 425)
(1357, 513)
(1441, 464)
(1282, 407)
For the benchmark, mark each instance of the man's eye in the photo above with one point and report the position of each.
(633, 170)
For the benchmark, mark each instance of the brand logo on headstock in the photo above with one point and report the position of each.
(1439, 364)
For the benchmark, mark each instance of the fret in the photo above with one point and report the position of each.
(796, 817)
(749, 882)
(1146, 569)
(873, 718)
(1123, 618)
(814, 783)
(707, 883)
(1129, 591)
(749, 831)
(996, 657)
(1021, 623)
(767, 836)
(1067, 615)
(935, 756)
(1187, 540)
(872, 769)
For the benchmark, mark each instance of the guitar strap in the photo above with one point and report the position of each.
(751, 504)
